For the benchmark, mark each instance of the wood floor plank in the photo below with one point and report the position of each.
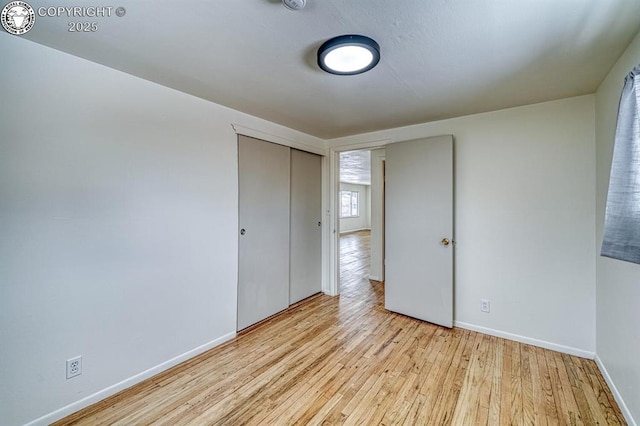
(516, 384)
(547, 406)
(562, 410)
(496, 384)
(322, 414)
(482, 414)
(576, 379)
(571, 409)
(529, 407)
(477, 412)
(346, 360)
(465, 408)
(505, 385)
(597, 383)
(452, 383)
(402, 401)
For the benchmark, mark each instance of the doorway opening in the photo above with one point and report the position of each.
(361, 220)
(417, 268)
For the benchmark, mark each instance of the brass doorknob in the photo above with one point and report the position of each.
(445, 241)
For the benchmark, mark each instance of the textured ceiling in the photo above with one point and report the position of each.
(440, 58)
(355, 167)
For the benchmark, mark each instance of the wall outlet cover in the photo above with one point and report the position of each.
(74, 367)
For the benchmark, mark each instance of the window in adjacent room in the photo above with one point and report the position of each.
(349, 204)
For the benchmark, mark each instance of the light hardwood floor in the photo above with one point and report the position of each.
(348, 361)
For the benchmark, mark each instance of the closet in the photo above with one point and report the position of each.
(280, 232)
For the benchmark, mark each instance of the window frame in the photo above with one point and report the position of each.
(352, 204)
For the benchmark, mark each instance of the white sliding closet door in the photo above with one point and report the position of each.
(306, 229)
(263, 264)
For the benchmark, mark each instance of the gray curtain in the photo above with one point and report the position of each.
(622, 220)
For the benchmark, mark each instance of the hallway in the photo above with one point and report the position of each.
(355, 248)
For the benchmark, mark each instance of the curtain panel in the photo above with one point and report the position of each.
(622, 218)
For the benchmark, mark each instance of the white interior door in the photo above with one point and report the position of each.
(306, 230)
(263, 258)
(419, 229)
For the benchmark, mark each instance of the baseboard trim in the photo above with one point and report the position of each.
(372, 278)
(528, 340)
(616, 394)
(133, 380)
(351, 231)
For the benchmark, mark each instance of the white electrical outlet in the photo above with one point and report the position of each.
(74, 367)
(485, 305)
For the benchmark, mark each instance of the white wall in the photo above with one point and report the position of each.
(350, 224)
(525, 219)
(618, 283)
(118, 228)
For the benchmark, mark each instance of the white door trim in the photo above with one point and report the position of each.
(280, 140)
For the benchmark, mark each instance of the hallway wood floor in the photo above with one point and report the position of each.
(330, 360)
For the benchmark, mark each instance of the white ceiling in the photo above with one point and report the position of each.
(440, 58)
(355, 167)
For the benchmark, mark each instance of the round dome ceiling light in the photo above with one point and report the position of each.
(294, 4)
(348, 54)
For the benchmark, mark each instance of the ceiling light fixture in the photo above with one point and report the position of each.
(348, 54)
(294, 4)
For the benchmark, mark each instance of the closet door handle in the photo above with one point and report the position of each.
(242, 231)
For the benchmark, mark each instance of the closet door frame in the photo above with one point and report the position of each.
(242, 131)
